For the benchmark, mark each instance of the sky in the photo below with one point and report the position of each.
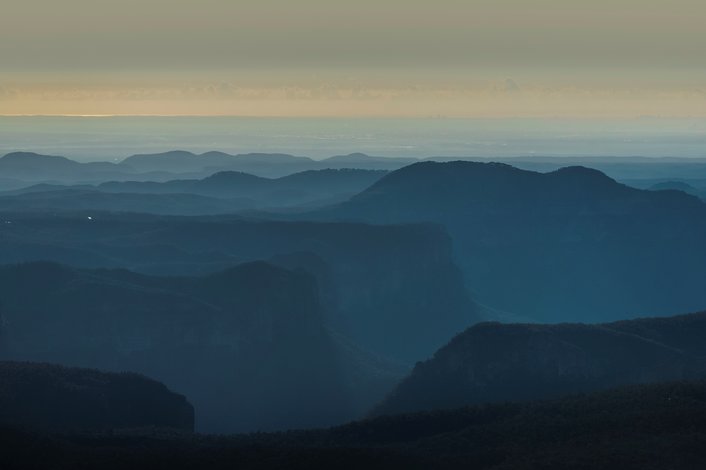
(382, 58)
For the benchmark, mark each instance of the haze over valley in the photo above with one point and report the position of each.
(366, 235)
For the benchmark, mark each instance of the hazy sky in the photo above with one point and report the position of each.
(618, 58)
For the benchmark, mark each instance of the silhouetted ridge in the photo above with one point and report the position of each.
(235, 190)
(587, 181)
(21, 169)
(33, 167)
(582, 173)
(461, 183)
(412, 192)
(444, 173)
(263, 164)
(456, 181)
(28, 164)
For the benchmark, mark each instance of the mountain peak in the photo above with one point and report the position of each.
(583, 173)
(463, 167)
(454, 179)
(458, 181)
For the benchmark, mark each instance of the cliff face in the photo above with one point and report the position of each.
(493, 362)
(55, 398)
(395, 290)
(247, 346)
(401, 297)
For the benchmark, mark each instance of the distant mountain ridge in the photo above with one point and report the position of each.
(561, 246)
(32, 167)
(180, 163)
(306, 187)
(225, 192)
(699, 192)
(261, 164)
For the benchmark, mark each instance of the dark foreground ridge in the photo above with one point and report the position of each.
(57, 398)
(639, 427)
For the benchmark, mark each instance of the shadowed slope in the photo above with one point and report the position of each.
(492, 362)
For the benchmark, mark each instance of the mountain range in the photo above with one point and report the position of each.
(223, 192)
(261, 164)
(273, 302)
(372, 278)
(21, 168)
(569, 245)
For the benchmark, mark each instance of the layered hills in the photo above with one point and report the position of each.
(225, 192)
(19, 169)
(393, 290)
(247, 346)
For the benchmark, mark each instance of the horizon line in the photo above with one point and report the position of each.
(329, 116)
